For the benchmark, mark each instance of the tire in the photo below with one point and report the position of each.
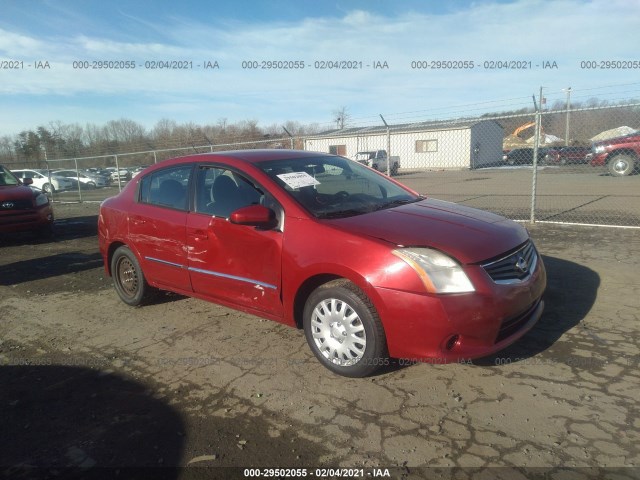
(91, 185)
(621, 165)
(329, 313)
(48, 188)
(563, 160)
(394, 169)
(128, 279)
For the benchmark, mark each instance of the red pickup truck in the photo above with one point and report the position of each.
(621, 155)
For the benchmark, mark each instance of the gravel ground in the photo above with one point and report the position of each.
(87, 382)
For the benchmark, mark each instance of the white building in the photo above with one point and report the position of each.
(420, 145)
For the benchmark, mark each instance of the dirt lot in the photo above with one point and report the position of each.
(86, 381)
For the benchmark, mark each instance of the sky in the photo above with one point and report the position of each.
(50, 54)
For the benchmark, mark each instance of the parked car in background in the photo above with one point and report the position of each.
(524, 156)
(85, 178)
(42, 181)
(377, 159)
(566, 155)
(135, 171)
(23, 208)
(121, 174)
(621, 155)
(367, 267)
(101, 172)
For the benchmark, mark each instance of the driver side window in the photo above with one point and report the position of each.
(219, 192)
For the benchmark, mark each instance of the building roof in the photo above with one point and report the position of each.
(404, 127)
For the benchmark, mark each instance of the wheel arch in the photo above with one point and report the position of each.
(622, 151)
(313, 281)
(305, 289)
(112, 248)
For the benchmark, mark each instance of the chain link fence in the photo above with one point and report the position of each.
(95, 178)
(577, 166)
(528, 167)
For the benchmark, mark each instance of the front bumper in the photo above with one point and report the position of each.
(26, 220)
(598, 160)
(449, 328)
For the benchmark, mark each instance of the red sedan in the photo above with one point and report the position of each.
(367, 267)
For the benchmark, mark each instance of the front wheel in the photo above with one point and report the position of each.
(129, 281)
(621, 165)
(344, 331)
(48, 188)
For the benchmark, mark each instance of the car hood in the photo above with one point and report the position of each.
(630, 138)
(16, 192)
(468, 234)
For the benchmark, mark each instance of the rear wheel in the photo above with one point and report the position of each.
(128, 278)
(48, 188)
(621, 165)
(394, 169)
(344, 331)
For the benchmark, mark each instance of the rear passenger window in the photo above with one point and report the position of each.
(167, 188)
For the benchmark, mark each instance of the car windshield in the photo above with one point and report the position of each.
(334, 187)
(7, 178)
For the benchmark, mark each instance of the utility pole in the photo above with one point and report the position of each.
(536, 145)
(388, 146)
(566, 130)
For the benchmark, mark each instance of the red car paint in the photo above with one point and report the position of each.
(286, 264)
(620, 154)
(19, 208)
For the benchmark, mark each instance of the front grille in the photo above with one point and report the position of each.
(16, 205)
(515, 267)
(18, 219)
(511, 325)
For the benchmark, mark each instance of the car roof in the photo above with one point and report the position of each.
(252, 156)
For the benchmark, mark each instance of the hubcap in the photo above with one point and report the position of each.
(620, 166)
(338, 332)
(127, 277)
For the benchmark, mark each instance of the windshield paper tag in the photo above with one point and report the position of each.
(298, 179)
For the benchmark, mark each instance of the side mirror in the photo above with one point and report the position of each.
(27, 181)
(255, 216)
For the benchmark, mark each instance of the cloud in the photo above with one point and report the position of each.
(12, 44)
(564, 31)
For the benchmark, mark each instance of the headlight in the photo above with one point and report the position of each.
(599, 149)
(41, 199)
(439, 273)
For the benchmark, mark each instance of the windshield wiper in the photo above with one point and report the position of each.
(341, 213)
(396, 203)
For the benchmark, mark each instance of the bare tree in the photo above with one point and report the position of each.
(342, 117)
